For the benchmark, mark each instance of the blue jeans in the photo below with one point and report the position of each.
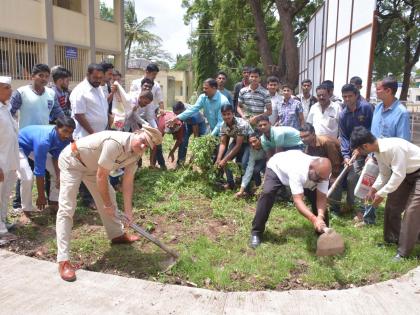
(182, 151)
(241, 157)
(256, 174)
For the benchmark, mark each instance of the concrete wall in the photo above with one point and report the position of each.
(107, 36)
(23, 17)
(65, 20)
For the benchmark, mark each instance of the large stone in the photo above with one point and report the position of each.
(330, 243)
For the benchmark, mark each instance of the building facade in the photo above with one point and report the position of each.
(58, 32)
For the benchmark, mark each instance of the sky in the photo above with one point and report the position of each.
(169, 23)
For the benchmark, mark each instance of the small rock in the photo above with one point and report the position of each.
(191, 284)
(207, 281)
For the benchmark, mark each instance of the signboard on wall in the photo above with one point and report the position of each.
(339, 44)
(70, 52)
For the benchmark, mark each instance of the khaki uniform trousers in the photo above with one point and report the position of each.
(405, 199)
(72, 173)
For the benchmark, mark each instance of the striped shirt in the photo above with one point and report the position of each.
(288, 113)
(255, 101)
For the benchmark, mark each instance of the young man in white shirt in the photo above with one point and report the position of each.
(306, 98)
(399, 171)
(273, 85)
(324, 115)
(9, 156)
(151, 72)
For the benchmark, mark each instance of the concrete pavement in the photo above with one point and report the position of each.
(31, 286)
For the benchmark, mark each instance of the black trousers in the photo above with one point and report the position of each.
(266, 201)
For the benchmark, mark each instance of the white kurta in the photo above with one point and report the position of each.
(9, 157)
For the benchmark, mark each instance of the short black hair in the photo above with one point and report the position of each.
(322, 87)
(390, 83)
(152, 67)
(255, 135)
(307, 127)
(95, 67)
(148, 81)
(245, 68)
(360, 136)
(356, 80)
(59, 72)
(329, 84)
(107, 66)
(287, 86)
(273, 78)
(227, 108)
(178, 106)
(306, 81)
(65, 121)
(350, 88)
(116, 72)
(255, 70)
(40, 67)
(211, 82)
(262, 118)
(222, 73)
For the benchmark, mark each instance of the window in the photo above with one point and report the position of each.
(106, 10)
(417, 98)
(74, 5)
(17, 57)
(74, 59)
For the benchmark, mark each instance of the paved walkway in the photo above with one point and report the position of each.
(30, 286)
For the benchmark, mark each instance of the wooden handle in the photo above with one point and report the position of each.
(340, 177)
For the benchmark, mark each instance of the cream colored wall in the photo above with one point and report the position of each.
(70, 26)
(23, 17)
(107, 35)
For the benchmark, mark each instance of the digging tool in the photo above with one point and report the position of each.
(340, 177)
(330, 243)
(151, 238)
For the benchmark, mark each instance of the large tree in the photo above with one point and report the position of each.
(398, 40)
(137, 33)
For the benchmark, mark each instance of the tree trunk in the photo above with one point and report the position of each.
(289, 57)
(262, 38)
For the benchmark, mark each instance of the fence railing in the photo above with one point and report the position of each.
(77, 66)
(17, 57)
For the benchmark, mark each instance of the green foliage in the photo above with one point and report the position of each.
(106, 13)
(182, 62)
(202, 149)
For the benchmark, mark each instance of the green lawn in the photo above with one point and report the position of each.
(210, 229)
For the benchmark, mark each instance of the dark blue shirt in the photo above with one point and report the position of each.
(362, 116)
(41, 140)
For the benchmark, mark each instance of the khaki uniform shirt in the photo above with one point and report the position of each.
(109, 149)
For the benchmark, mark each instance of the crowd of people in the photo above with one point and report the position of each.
(72, 144)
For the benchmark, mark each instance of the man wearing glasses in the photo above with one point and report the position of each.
(306, 171)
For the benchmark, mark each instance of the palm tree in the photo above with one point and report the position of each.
(136, 32)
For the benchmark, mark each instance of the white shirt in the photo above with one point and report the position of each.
(295, 174)
(156, 91)
(325, 123)
(9, 148)
(147, 113)
(305, 104)
(91, 101)
(396, 158)
(276, 101)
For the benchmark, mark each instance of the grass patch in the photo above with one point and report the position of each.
(210, 229)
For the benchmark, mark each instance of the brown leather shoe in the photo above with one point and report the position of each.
(67, 271)
(125, 239)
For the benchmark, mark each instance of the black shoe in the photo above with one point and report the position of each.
(398, 258)
(254, 241)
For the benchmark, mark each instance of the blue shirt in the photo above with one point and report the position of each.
(254, 155)
(391, 123)
(211, 108)
(228, 95)
(289, 113)
(362, 116)
(281, 137)
(41, 140)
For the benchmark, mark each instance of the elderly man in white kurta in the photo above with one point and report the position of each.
(91, 159)
(9, 155)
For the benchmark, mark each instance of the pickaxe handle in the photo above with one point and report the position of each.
(340, 177)
(150, 237)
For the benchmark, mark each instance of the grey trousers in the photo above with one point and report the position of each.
(406, 198)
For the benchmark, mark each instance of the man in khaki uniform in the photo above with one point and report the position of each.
(91, 159)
